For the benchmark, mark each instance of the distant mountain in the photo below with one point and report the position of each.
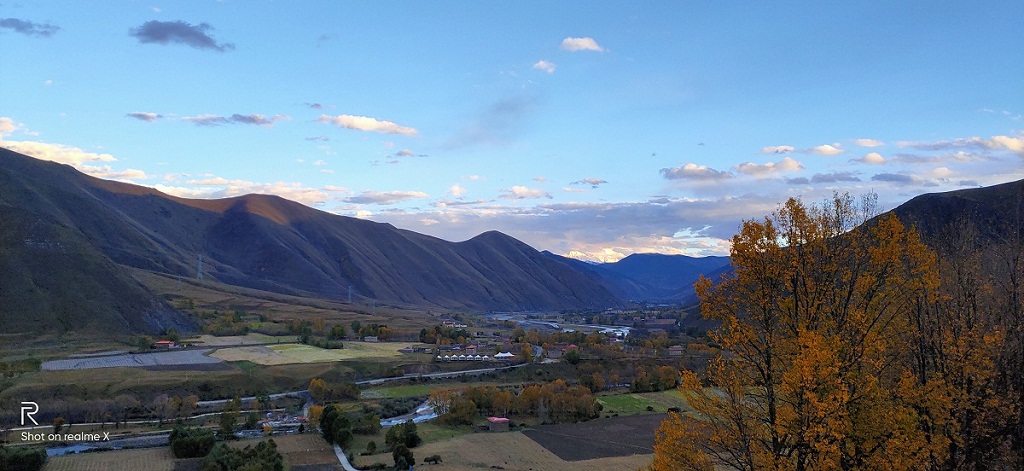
(653, 277)
(257, 241)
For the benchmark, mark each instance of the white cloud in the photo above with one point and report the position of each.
(593, 182)
(478, 177)
(872, 158)
(777, 149)
(457, 190)
(544, 65)
(319, 163)
(215, 120)
(106, 172)
(365, 123)
(693, 171)
(828, 150)
(1014, 144)
(540, 179)
(868, 142)
(220, 187)
(581, 44)
(56, 152)
(384, 197)
(787, 164)
(7, 126)
(521, 192)
(573, 190)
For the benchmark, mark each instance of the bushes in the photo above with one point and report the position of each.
(264, 457)
(22, 458)
(191, 442)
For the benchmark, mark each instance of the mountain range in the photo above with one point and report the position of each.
(67, 238)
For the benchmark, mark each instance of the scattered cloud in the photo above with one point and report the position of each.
(873, 158)
(540, 179)
(868, 142)
(593, 182)
(178, 32)
(319, 163)
(893, 178)
(219, 187)
(958, 156)
(828, 150)
(777, 149)
(73, 156)
(384, 197)
(693, 171)
(573, 190)
(787, 164)
(7, 126)
(834, 177)
(147, 117)
(457, 190)
(29, 28)
(581, 44)
(365, 123)
(318, 138)
(521, 192)
(1013, 144)
(544, 65)
(253, 119)
(315, 106)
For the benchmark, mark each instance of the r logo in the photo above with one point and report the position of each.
(28, 409)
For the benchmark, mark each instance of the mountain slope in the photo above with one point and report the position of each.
(270, 243)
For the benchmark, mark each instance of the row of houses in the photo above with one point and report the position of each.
(503, 356)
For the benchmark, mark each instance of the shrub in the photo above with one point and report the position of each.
(22, 458)
(191, 442)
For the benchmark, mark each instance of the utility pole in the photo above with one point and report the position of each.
(199, 271)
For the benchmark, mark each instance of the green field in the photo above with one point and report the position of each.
(633, 403)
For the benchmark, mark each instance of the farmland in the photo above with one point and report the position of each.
(514, 450)
(291, 353)
(298, 450)
(602, 438)
(172, 358)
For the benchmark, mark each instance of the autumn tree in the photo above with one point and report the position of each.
(812, 322)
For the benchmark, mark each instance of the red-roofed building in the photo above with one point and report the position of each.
(498, 424)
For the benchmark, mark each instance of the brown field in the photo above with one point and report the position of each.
(284, 354)
(298, 450)
(149, 459)
(510, 451)
(601, 438)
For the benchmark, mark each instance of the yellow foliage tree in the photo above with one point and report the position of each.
(813, 324)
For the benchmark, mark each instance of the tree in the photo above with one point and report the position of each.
(813, 322)
(317, 389)
(403, 457)
(191, 442)
(229, 418)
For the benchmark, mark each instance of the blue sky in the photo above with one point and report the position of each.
(592, 128)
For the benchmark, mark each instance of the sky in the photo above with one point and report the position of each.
(590, 129)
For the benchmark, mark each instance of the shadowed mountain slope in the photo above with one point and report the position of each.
(270, 243)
